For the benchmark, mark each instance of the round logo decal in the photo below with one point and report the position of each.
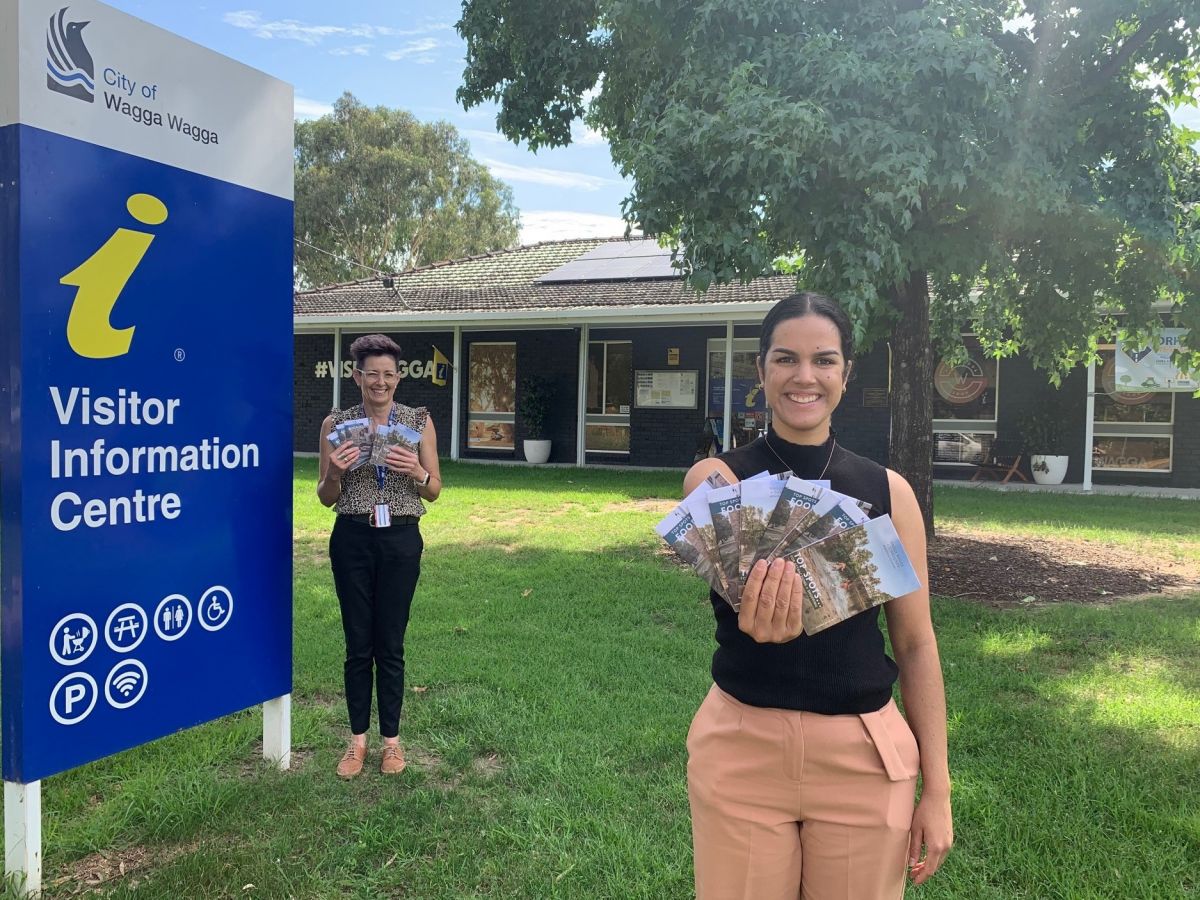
(1108, 382)
(961, 383)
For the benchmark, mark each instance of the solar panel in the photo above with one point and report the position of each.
(616, 261)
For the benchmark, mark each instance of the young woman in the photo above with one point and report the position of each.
(801, 770)
(376, 565)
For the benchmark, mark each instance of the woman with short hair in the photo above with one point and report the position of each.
(375, 547)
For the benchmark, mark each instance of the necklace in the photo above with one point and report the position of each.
(832, 449)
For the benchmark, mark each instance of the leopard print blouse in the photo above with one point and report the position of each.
(360, 488)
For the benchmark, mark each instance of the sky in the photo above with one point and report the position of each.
(403, 54)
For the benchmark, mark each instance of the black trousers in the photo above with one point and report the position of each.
(375, 572)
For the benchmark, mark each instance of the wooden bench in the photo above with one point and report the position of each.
(1001, 462)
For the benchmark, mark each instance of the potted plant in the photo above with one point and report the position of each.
(534, 404)
(1045, 442)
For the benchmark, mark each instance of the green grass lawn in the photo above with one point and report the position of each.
(555, 659)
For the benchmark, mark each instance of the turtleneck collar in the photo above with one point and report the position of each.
(804, 460)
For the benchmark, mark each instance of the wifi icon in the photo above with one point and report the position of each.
(126, 683)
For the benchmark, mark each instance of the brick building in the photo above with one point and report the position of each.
(637, 366)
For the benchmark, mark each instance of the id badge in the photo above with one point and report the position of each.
(382, 516)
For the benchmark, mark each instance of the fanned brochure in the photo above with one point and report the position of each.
(854, 570)
(389, 436)
(722, 529)
(373, 443)
(693, 541)
(696, 503)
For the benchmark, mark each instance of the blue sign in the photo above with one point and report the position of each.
(146, 452)
(747, 396)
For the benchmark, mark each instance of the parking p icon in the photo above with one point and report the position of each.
(73, 698)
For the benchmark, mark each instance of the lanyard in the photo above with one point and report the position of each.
(381, 471)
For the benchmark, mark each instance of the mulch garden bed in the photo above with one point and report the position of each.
(1008, 570)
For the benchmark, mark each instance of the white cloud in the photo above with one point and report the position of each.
(559, 225)
(484, 137)
(419, 49)
(295, 30)
(310, 109)
(584, 136)
(354, 50)
(551, 177)
(384, 31)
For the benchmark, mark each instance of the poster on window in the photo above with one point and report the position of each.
(491, 396)
(966, 389)
(1150, 369)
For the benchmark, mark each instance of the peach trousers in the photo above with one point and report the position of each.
(789, 804)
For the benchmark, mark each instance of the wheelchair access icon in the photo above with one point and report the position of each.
(215, 608)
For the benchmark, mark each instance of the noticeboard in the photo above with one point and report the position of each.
(665, 389)
(145, 280)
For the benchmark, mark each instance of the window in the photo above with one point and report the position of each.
(749, 408)
(491, 396)
(961, 447)
(1132, 431)
(964, 408)
(609, 396)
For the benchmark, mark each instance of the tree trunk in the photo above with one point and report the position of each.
(911, 445)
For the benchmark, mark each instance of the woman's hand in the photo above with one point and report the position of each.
(772, 602)
(405, 462)
(342, 458)
(932, 829)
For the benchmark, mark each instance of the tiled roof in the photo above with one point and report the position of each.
(507, 280)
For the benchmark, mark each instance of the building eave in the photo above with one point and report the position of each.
(664, 314)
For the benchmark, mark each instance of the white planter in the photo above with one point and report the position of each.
(1055, 468)
(537, 451)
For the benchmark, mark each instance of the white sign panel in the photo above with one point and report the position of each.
(119, 82)
(1148, 369)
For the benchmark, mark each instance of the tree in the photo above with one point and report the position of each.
(1015, 160)
(379, 187)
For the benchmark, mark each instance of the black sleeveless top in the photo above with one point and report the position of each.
(840, 670)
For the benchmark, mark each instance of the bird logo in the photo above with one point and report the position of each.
(68, 63)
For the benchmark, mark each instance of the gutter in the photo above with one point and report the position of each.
(567, 317)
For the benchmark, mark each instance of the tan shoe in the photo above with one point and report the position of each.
(392, 762)
(352, 761)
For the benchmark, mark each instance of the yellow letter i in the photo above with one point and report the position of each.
(100, 280)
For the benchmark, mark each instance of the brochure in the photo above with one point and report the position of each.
(760, 497)
(854, 570)
(793, 507)
(696, 503)
(389, 436)
(834, 512)
(682, 536)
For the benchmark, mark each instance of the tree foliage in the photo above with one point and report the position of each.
(381, 188)
(1015, 159)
